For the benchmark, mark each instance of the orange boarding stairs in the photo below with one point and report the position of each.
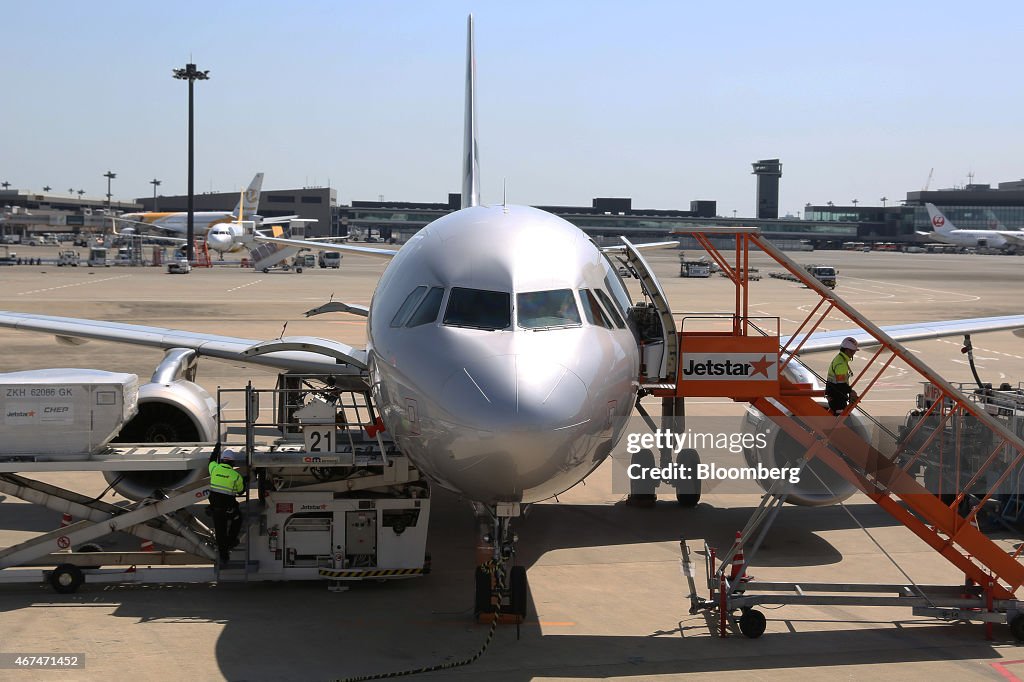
(886, 479)
(203, 259)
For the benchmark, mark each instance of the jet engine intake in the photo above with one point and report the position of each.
(819, 485)
(172, 409)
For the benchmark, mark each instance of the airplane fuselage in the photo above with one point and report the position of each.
(217, 227)
(492, 390)
(972, 238)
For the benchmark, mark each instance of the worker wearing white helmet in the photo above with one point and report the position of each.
(837, 383)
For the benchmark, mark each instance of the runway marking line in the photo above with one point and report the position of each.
(970, 297)
(75, 284)
(984, 350)
(242, 286)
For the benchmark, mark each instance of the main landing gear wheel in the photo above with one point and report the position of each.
(1017, 627)
(90, 547)
(642, 490)
(688, 491)
(753, 623)
(66, 578)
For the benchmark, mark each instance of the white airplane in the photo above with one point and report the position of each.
(223, 230)
(947, 233)
(503, 354)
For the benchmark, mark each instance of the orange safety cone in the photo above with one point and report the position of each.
(737, 560)
(65, 520)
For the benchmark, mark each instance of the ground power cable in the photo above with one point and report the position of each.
(496, 573)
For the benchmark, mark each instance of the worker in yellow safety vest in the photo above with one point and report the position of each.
(837, 383)
(225, 485)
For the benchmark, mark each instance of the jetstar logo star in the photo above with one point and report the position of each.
(15, 413)
(760, 366)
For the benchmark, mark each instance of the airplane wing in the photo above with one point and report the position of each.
(826, 341)
(1014, 237)
(152, 226)
(281, 219)
(650, 245)
(303, 354)
(327, 246)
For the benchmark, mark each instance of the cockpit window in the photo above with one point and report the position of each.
(540, 309)
(478, 309)
(611, 309)
(407, 307)
(428, 308)
(592, 309)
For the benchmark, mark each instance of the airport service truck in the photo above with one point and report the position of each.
(98, 257)
(330, 259)
(826, 274)
(68, 257)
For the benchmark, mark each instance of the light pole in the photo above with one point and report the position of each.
(191, 74)
(883, 200)
(155, 183)
(109, 175)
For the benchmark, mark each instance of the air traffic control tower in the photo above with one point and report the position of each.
(768, 172)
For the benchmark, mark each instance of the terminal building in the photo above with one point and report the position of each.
(25, 212)
(975, 206)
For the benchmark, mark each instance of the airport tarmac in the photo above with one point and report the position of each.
(607, 596)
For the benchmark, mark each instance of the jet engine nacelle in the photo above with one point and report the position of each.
(819, 484)
(172, 409)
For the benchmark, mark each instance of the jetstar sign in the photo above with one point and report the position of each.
(730, 367)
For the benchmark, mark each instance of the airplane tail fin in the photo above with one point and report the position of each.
(470, 154)
(940, 223)
(250, 201)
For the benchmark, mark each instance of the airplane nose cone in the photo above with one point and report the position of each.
(516, 426)
(219, 241)
(515, 392)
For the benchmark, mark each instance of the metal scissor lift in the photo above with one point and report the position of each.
(992, 575)
(161, 519)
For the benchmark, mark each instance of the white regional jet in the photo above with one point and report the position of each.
(502, 350)
(947, 233)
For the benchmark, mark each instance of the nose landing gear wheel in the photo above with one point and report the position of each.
(518, 591)
(482, 603)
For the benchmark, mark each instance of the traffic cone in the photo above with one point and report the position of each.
(65, 520)
(737, 560)
(146, 546)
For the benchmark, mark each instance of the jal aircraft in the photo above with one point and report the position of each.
(947, 233)
(533, 357)
(222, 229)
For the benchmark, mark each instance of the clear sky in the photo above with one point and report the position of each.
(663, 102)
